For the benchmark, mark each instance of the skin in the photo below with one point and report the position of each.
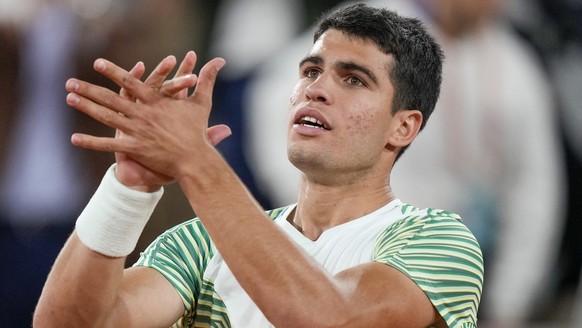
(346, 169)
(351, 159)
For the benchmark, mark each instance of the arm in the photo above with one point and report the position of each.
(167, 135)
(267, 264)
(88, 289)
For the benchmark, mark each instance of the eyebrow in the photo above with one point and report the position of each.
(347, 66)
(311, 59)
(351, 66)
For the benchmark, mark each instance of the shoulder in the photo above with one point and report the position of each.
(193, 232)
(429, 220)
(440, 254)
(431, 235)
(185, 242)
(278, 212)
(409, 210)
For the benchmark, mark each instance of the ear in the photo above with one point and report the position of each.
(405, 126)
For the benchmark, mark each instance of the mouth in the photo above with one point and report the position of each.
(312, 122)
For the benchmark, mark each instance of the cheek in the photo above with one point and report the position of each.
(295, 94)
(361, 124)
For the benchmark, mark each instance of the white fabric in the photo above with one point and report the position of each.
(114, 218)
(335, 250)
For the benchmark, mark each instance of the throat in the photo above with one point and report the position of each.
(312, 233)
(312, 228)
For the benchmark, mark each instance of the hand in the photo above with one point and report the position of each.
(176, 88)
(128, 171)
(143, 160)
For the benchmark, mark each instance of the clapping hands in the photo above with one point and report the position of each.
(161, 129)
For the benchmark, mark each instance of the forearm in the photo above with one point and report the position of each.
(264, 260)
(84, 283)
(81, 288)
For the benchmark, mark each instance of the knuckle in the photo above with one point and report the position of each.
(204, 101)
(107, 147)
(107, 116)
(128, 82)
(108, 100)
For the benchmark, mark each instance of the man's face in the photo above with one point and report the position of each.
(341, 107)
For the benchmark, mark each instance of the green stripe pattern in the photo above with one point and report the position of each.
(432, 247)
(181, 254)
(441, 256)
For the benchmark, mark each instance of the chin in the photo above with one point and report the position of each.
(303, 160)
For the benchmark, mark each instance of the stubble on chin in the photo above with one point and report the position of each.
(306, 159)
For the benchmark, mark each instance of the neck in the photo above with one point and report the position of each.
(320, 207)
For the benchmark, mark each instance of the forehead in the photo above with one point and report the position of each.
(336, 46)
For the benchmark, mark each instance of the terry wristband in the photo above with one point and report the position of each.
(115, 217)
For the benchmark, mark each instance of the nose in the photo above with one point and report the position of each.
(318, 90)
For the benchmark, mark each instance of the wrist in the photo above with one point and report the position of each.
(131, 181)
(141, 188)
(114, 218)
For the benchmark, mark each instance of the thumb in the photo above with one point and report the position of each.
(217, 133)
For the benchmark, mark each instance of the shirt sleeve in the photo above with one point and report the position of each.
(181, 254)
(439, 253)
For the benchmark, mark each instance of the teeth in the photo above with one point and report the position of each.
(315, 121)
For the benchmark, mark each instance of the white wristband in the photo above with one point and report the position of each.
(115, 217)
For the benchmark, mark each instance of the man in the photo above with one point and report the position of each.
(347, 254)
(481, 166)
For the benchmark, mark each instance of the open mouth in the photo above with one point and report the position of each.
(312, 122)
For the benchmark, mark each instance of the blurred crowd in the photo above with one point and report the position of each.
(503, 149)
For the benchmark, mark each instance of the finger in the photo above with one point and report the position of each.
(206, 80)
(217, 133)
(99, 103)
(137, 71)
(175, 86)
(186, 68)
(160, 73)
(125, 80)
(98, 143)
(187, 65)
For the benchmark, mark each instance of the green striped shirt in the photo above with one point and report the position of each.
(432, 247)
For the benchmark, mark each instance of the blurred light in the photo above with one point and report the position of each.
(90, 9)
(16, 11)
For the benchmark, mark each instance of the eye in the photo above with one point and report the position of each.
(311, 72)
(356, 81)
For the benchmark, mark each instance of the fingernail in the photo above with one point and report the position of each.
(100, 65)
(72, 85)
(221, 65)
(72, 99)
